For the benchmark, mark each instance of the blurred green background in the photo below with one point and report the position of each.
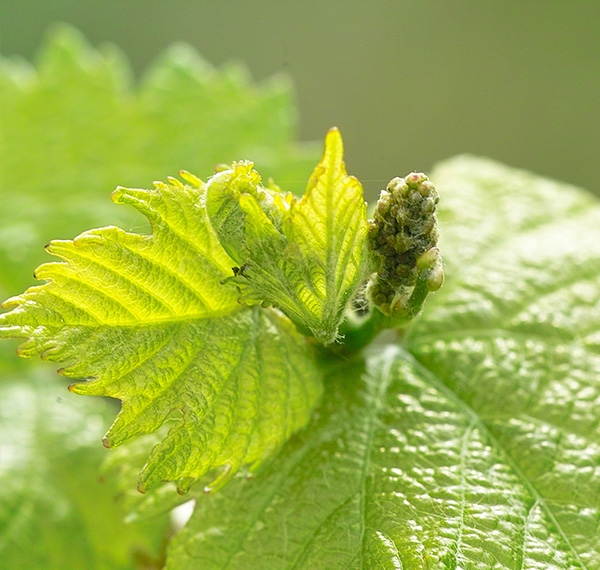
(408, 83)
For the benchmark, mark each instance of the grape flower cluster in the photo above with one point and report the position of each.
(403, 235)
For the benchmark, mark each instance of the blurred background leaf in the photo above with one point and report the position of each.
(74, 129)
(55, 511)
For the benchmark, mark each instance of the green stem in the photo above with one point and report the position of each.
(419, 294)
(358, 332)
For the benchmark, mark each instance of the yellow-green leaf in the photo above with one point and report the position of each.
(145, 319)
(305, 256)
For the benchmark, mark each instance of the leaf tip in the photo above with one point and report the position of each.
(10, 302)
(333, 140)
(184, 484)
(117, 194)
(191, 178)
(108, 443)
(221, 479)
(332, 158)
(22, 352)
(176, 183)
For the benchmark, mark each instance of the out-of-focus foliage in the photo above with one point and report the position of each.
(74, 127)
(56, 512)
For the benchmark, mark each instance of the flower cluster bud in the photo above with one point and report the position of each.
(403, 235)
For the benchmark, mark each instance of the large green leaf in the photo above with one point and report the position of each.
(55, 513)
(475, 442)
(146, 319)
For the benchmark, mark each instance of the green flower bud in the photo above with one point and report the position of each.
(402, 239)
(435, 279)
(428, 259)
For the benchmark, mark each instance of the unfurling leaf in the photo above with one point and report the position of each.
(305, 256)
(145, 319)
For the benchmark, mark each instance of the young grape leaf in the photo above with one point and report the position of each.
(475, 443)
(306, 257)
(146, 320)
(55, 513)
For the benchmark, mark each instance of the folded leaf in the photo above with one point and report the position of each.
(329, 226)
(145, 317)
(308, 256)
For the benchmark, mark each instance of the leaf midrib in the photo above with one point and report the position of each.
(389, 358)
(150, 322)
